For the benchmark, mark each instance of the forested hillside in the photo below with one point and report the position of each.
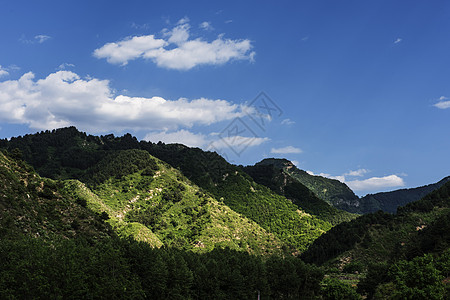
(332, 191)
(394, 249)
(55, 243)
(69, 154)
(122, 219)
(281, 182)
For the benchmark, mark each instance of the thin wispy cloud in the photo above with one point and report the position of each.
(42, 38)
(286, 150)
(398, 40)
(206, 26)
(176, 50)
(359, 172)
(287, 122)
(65, 66)
(38, 39)
(140, 26)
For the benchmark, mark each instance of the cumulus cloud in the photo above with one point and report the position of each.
(175, 50)
(286, 150)
(3, 72)
(375, 183)
(443, 103)
(369, 184)
(63, 98)
(129, 49)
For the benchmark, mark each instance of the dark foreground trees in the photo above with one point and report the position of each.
(33, 268)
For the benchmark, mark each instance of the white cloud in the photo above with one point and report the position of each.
(443, 104)
(320, 174)
(369, 184)
(3, 72)
(287, 122)
(359, 172)
(65, 66)
(398, 40)
(206, 26)
(129, 49)
(182, 136)
(63, 98)
(42, 38)
(239, 142)
(375, 183)
(176, 50)
(286, 150)
(140, 26)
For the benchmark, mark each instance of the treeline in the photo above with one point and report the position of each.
(125, 269)
(423, 277)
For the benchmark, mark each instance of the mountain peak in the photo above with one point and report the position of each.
(277, 162)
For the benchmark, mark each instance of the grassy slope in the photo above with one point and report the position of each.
(237, 189)
(164, 207)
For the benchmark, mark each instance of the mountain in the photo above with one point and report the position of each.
(382, 245)
(54, 243)
(332, 191)
(380, 236)
(122, 219)
(274, 173)
(69, 154)
(389, 201)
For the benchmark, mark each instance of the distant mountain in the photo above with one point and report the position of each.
(393, 251)
(332, 191)
(389, 201)
(378, 237)
(274, 173)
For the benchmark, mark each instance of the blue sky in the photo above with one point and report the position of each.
(353, 90)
